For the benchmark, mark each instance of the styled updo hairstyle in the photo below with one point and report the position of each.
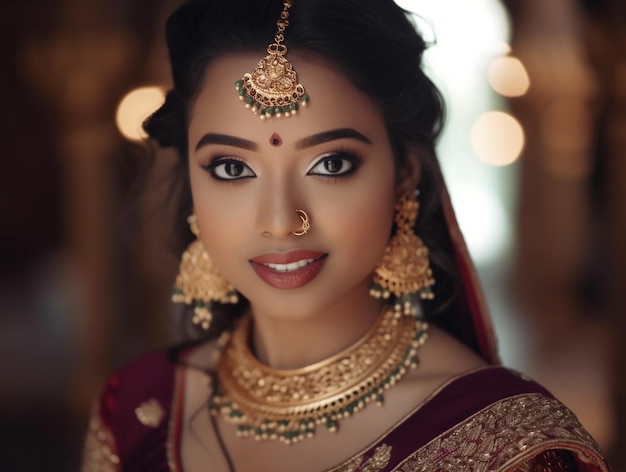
(373, 42)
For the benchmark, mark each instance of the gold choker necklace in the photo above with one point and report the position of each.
(287, 405)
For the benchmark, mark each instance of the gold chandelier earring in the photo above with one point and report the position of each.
(404, 269)
(199, 283)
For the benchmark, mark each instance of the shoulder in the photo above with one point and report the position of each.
(444, 357)
(149, 369)
(134, 404)
(149, 374)
(149, 383)
(474, 406)
(493, 418)
(147, 377)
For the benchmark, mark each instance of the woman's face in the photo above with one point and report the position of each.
(248, 177)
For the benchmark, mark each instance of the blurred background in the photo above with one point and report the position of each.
(534, 153)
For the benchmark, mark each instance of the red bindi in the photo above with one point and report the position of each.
(276, 140)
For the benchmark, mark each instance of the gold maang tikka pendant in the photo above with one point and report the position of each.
(272, 88)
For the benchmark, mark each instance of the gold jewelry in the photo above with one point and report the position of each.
(272, 88)
(199, 282)
(404, 269)
(306, 225)
(287, 405)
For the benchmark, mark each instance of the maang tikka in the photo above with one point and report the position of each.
(404, 269)
(199, 283)
(272, 88)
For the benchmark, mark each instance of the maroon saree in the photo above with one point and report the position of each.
(491, 419)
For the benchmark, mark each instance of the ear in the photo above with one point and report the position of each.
(409, 174)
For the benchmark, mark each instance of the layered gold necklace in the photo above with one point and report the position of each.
(287, 405)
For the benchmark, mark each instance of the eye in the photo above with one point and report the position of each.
(229, 169)
(335, 164)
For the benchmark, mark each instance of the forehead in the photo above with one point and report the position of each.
(334, 102)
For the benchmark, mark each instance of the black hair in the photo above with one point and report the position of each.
(373, 42)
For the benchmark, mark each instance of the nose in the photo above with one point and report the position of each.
(277, 214)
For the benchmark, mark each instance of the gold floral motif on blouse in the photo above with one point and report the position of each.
(376, 463)
(502, 437)
(99, 452)
(150, 413)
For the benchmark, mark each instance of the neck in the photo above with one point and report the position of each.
(292, 343)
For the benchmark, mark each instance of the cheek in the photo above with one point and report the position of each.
(363, 220)
(361, 215)
(217, 221)
(223, 233)
(371, 223)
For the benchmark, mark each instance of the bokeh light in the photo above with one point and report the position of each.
(497, 138)
(508, 77)
(134, 108)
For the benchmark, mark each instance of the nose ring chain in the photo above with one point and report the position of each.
(306, 225)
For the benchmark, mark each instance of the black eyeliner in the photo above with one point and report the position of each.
(218, 160)
(354, 158)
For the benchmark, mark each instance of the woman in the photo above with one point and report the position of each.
(321, 290)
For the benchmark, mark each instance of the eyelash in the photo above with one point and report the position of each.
(215, 163)
(345, 156)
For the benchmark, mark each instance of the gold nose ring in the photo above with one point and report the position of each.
(306, 226)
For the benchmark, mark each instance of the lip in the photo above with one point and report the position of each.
(305, 266)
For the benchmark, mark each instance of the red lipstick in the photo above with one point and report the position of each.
(289, 270)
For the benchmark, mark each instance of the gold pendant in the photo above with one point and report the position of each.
(272, 89)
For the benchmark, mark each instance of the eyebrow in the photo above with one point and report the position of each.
(332, 135)
(215, 138)
(319, 138)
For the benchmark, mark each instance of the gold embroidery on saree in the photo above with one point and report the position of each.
(376, 463)
(150, 413)
(502, 437)
(99, 453)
